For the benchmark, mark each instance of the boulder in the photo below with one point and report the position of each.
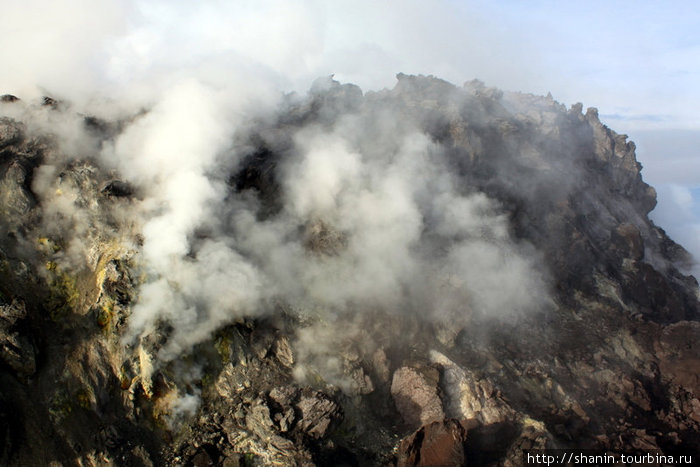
(318, 413)
(416, 395)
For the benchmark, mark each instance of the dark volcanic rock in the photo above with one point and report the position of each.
(10, 132)
(318, 413)
(118, 188)
(609, 361)
(16, 348)
(49, 102)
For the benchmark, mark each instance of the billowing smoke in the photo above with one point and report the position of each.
(173, 155)
(369, 218)
(366, 218)
(366, 215)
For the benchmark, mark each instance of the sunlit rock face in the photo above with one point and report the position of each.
(427, 272)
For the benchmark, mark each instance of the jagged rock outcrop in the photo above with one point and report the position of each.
(608, 359)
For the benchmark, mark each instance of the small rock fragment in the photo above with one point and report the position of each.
(318, 413)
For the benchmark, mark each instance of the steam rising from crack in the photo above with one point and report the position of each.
(173, 154)
(368, 217)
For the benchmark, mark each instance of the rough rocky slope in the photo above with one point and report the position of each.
(604, 356)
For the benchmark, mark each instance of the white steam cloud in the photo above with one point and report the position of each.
(679, 214)
(367, 222)
(371, 217)
(173, 154)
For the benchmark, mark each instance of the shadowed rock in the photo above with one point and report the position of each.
(118, 188)
(415, 393)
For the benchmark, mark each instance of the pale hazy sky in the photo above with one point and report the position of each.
(638, 62)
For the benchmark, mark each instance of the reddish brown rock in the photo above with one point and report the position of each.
(438, 444)
(679, 355)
